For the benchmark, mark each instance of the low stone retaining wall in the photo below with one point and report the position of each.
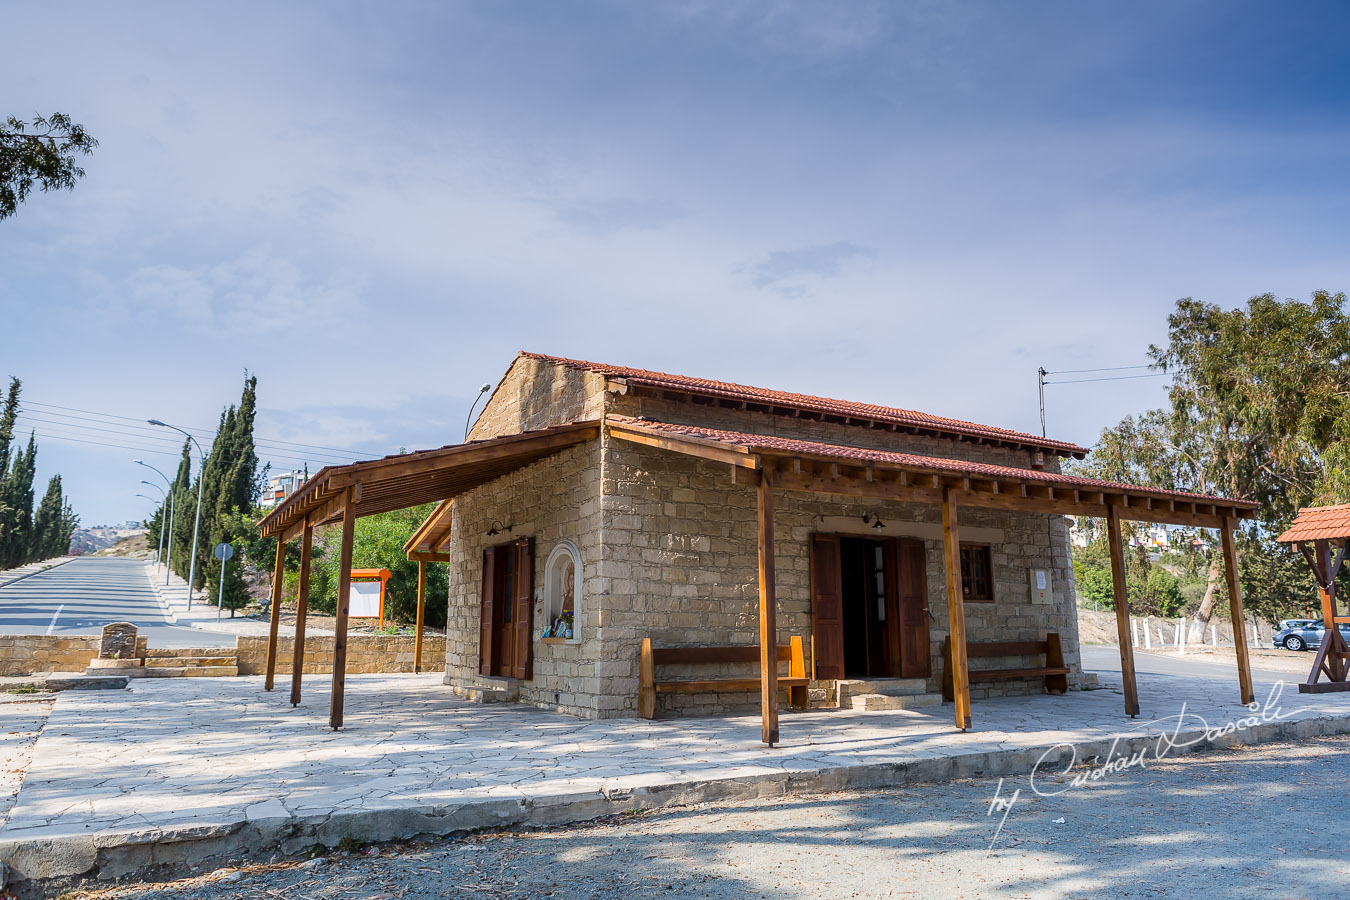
(31, 654)
(28, 654)
(366, 654)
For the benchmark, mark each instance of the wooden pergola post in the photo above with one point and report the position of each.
(768, 613)
(301, 611)
(1124, 635)
(278, 573)
(421, 609)
(956, 610)
(1235, 610)
(343, 604)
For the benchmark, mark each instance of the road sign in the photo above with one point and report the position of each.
(224, 552)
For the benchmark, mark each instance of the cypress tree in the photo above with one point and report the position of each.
(48, 522)
(17, 492)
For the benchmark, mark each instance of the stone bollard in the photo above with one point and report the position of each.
(117, 652)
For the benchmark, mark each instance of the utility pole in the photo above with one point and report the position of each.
(1040, 386)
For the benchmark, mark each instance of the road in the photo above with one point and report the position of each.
(1218, 826)
(85, 594)
(1107, 659)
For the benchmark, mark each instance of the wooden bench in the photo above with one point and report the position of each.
(1056, 674)
(648, 687)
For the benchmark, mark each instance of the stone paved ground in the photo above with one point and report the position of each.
(1228, 824)
(179, 759)
(22, 716)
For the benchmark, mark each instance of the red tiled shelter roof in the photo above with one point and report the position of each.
(1318, 523)
(905, 419)
(767, 444)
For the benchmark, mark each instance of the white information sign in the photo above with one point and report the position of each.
(365, 600)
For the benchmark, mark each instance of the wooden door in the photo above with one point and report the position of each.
(827, 607)
(912, 569)
(523, 601)
(503, 626)
(487, 615)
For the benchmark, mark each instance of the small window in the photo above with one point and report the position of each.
(562, 592)
(977, 578)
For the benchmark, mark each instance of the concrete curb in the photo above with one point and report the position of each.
(45, 866)
(19, 578)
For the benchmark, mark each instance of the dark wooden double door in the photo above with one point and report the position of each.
(506, 615)
(869, 607)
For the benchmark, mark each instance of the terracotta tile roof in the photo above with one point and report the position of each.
(1319, 523)
(759, 443)
(903, 418)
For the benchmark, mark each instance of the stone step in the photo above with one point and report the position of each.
(191, 671)
(184, 661)
(891, 687)
(873, 702)
(182, 652)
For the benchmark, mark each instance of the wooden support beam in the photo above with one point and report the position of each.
(343, 605)
(956, 612)
(1235, 608)
(278, 575)
(1124, 634)
(301, 611)
(421, 612)
(768, 612)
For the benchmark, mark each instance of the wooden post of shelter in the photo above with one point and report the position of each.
(343, 604)
(768, 613)
(956, 611)
(1123, 630)
(278, 574)
(301, 611)
(1235, 610)
(421, 610)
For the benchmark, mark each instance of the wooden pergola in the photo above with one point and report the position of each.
(1321, 534)
(772, 464)
(345, 493)
(769, 465)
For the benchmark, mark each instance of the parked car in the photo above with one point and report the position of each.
(1295, 623)
(1307, 636)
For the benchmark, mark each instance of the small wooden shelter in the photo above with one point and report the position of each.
(1321, 533)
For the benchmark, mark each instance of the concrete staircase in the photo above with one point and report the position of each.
(196, 662)
(886, 693)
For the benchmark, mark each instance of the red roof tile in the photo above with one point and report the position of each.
(788, 446)
(1319, 523)
(905, 418)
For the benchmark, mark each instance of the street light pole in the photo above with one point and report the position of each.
(196, 525)
(159, 553)
(168, 557)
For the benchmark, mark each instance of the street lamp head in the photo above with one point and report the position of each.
(139, 462)
(157, 422)
(485, 388)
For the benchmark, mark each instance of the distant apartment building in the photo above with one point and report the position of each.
(1084, 531)
(281, 486)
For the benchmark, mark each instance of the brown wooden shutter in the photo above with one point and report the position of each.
(524, 600)
(915, 657)
(487, 635)
(827, 607)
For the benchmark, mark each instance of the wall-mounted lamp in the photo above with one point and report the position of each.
(874, 520)
(497, 528)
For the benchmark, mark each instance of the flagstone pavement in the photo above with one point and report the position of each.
(186, 770)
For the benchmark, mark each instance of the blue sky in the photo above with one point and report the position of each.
(373, 207)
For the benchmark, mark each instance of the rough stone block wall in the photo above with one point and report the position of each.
(681, 567)
(22, 654)
(366, 653)
(706, 415)
(555, 499)
(535, 394)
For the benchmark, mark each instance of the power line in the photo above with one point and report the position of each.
(152, 433)
(44, 430)
(203, 431)
(1112, 378)
(1104, 369)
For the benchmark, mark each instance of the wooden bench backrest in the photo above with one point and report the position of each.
(743, 653)
(1006, 648)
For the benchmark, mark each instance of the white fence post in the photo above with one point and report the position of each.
(1148, 636)
(1214, 635)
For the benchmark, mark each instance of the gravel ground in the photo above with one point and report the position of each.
(1234, 824)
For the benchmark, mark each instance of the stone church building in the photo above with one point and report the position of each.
(625, 542)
